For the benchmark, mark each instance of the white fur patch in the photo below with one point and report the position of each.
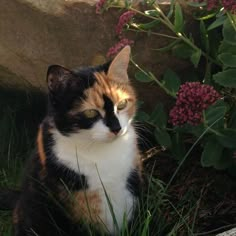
(99, 154)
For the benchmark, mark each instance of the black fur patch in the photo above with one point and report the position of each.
(62, 100)
(43, 204)
(133, 183)
(110, 120)
(56, 170)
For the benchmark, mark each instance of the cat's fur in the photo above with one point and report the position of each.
(86, 171)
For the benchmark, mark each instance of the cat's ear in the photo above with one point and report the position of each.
(118, 69)
(57, 77)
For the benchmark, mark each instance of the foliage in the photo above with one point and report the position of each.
(215, 53)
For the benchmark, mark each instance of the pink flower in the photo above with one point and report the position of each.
(123, 20)
(99, 5)
(212, 4)
(117, 47)
(192, 99)
(229, 5)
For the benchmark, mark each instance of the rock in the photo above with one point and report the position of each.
(231, 232)
(35, 34)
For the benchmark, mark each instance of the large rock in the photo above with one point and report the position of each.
(35, 34)
(231, 232)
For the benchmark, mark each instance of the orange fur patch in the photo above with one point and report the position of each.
(41, 152)
(86, 206)
(112, 89)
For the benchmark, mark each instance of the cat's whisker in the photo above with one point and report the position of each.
(142, 137)
(142, 126)
(146, 142)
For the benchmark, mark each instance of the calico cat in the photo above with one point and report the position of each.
(86, 170)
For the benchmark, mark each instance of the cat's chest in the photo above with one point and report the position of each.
(106, 168)
(101, 162)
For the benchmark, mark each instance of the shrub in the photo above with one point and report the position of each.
(205, 110)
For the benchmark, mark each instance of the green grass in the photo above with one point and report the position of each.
(20, 114)
(161, 211)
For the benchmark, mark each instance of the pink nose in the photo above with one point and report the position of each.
(116, 131)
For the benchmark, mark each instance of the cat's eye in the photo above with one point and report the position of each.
(90, 113)
(122, 105)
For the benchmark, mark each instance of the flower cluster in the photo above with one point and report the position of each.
(117, 47)
(123, 20)
(192, 99)
(229, 5)
(212, 4)
(99, 5)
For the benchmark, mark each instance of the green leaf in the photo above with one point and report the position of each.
(215, 39)
(149, 2)
(204, 16)
(163, 138)
(226, 78)
(152, 13)
(196, 130)
(232, 118)
(227, 48)
(227, 138)
(139, 104)
(179, 20)
(171, 81)
(218, 22)
(127, 4)
(211, 153)
(204, 36)
(195, 57)
(178, 148)
(215, 112)
(142, 116)
(148, 26)
(172, 5)
(197, 4)
(183, 51)
(142, 77)
(225, 160)
(158, 116)
(229, 33)
(228, 59)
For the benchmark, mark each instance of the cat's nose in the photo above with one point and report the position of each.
(116, 131)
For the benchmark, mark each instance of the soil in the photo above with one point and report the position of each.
(213, 192)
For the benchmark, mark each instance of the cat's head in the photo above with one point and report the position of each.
(95, 103)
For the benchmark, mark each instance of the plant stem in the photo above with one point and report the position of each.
(165, 21)
(182, 36)
(154, 33)
(189, 151)
(158, 9)
(232, 20)
(152, 77)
